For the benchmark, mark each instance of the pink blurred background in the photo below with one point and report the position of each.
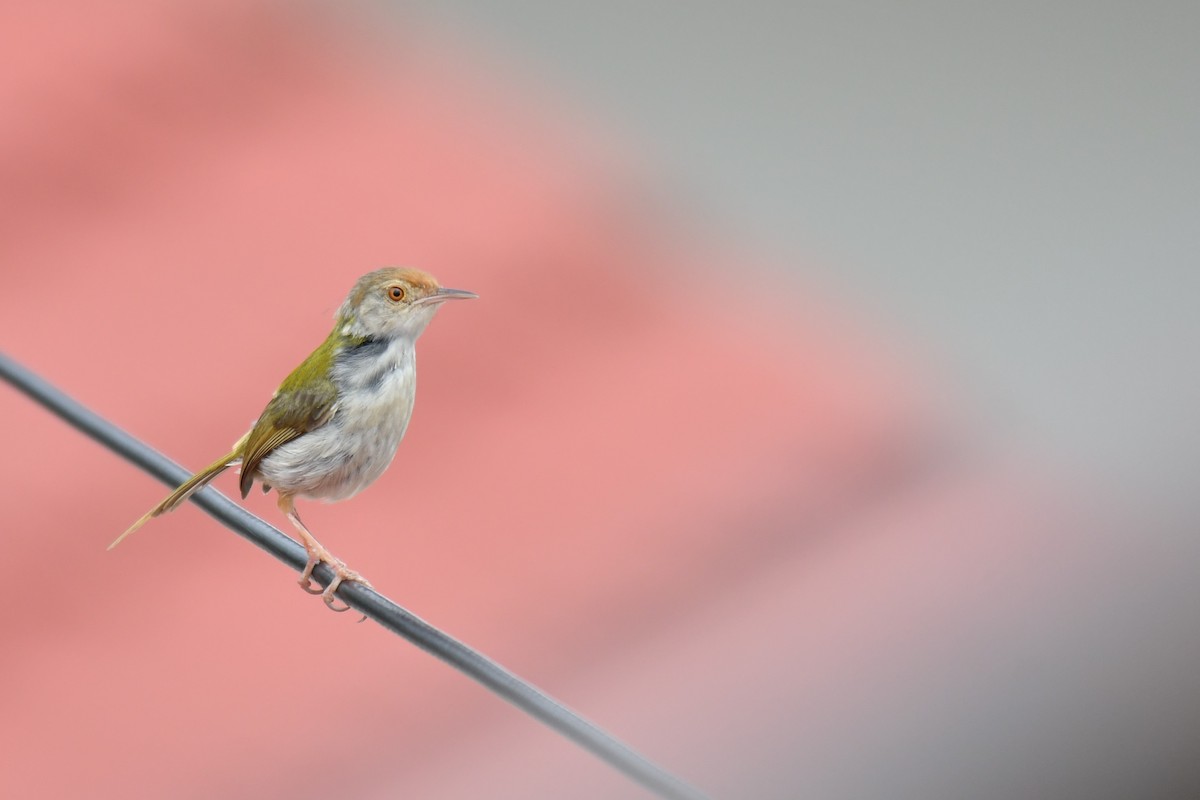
(790, 530)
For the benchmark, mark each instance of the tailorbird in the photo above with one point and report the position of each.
(333, 425)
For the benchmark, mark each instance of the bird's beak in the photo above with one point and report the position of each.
(442, 295)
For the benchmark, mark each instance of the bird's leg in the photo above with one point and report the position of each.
(316, 555)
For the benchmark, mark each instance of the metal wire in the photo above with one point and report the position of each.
(475, 665)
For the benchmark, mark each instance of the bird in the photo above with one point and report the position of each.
(335, 422)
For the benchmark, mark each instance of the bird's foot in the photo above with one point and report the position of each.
(319, 555)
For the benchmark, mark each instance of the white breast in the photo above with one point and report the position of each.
(376, 390)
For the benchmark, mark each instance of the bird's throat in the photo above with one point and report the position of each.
(375, 365)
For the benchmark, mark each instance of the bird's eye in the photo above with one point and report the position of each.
(395, 293)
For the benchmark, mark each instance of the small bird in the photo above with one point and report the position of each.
(333, 425)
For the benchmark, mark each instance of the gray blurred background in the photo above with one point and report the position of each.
(1016, 186)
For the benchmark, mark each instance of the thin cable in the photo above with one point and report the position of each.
(364, 599)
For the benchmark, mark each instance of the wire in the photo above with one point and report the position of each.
(364, 599)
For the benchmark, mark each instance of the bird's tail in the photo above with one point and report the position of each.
(191, 485)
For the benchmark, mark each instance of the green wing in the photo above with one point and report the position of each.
(305, 401)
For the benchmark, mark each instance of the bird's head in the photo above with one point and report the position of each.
(393, 302)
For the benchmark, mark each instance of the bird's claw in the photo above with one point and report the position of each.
(328, 594)
(329, 597)
(340, 573)
(306, 576)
